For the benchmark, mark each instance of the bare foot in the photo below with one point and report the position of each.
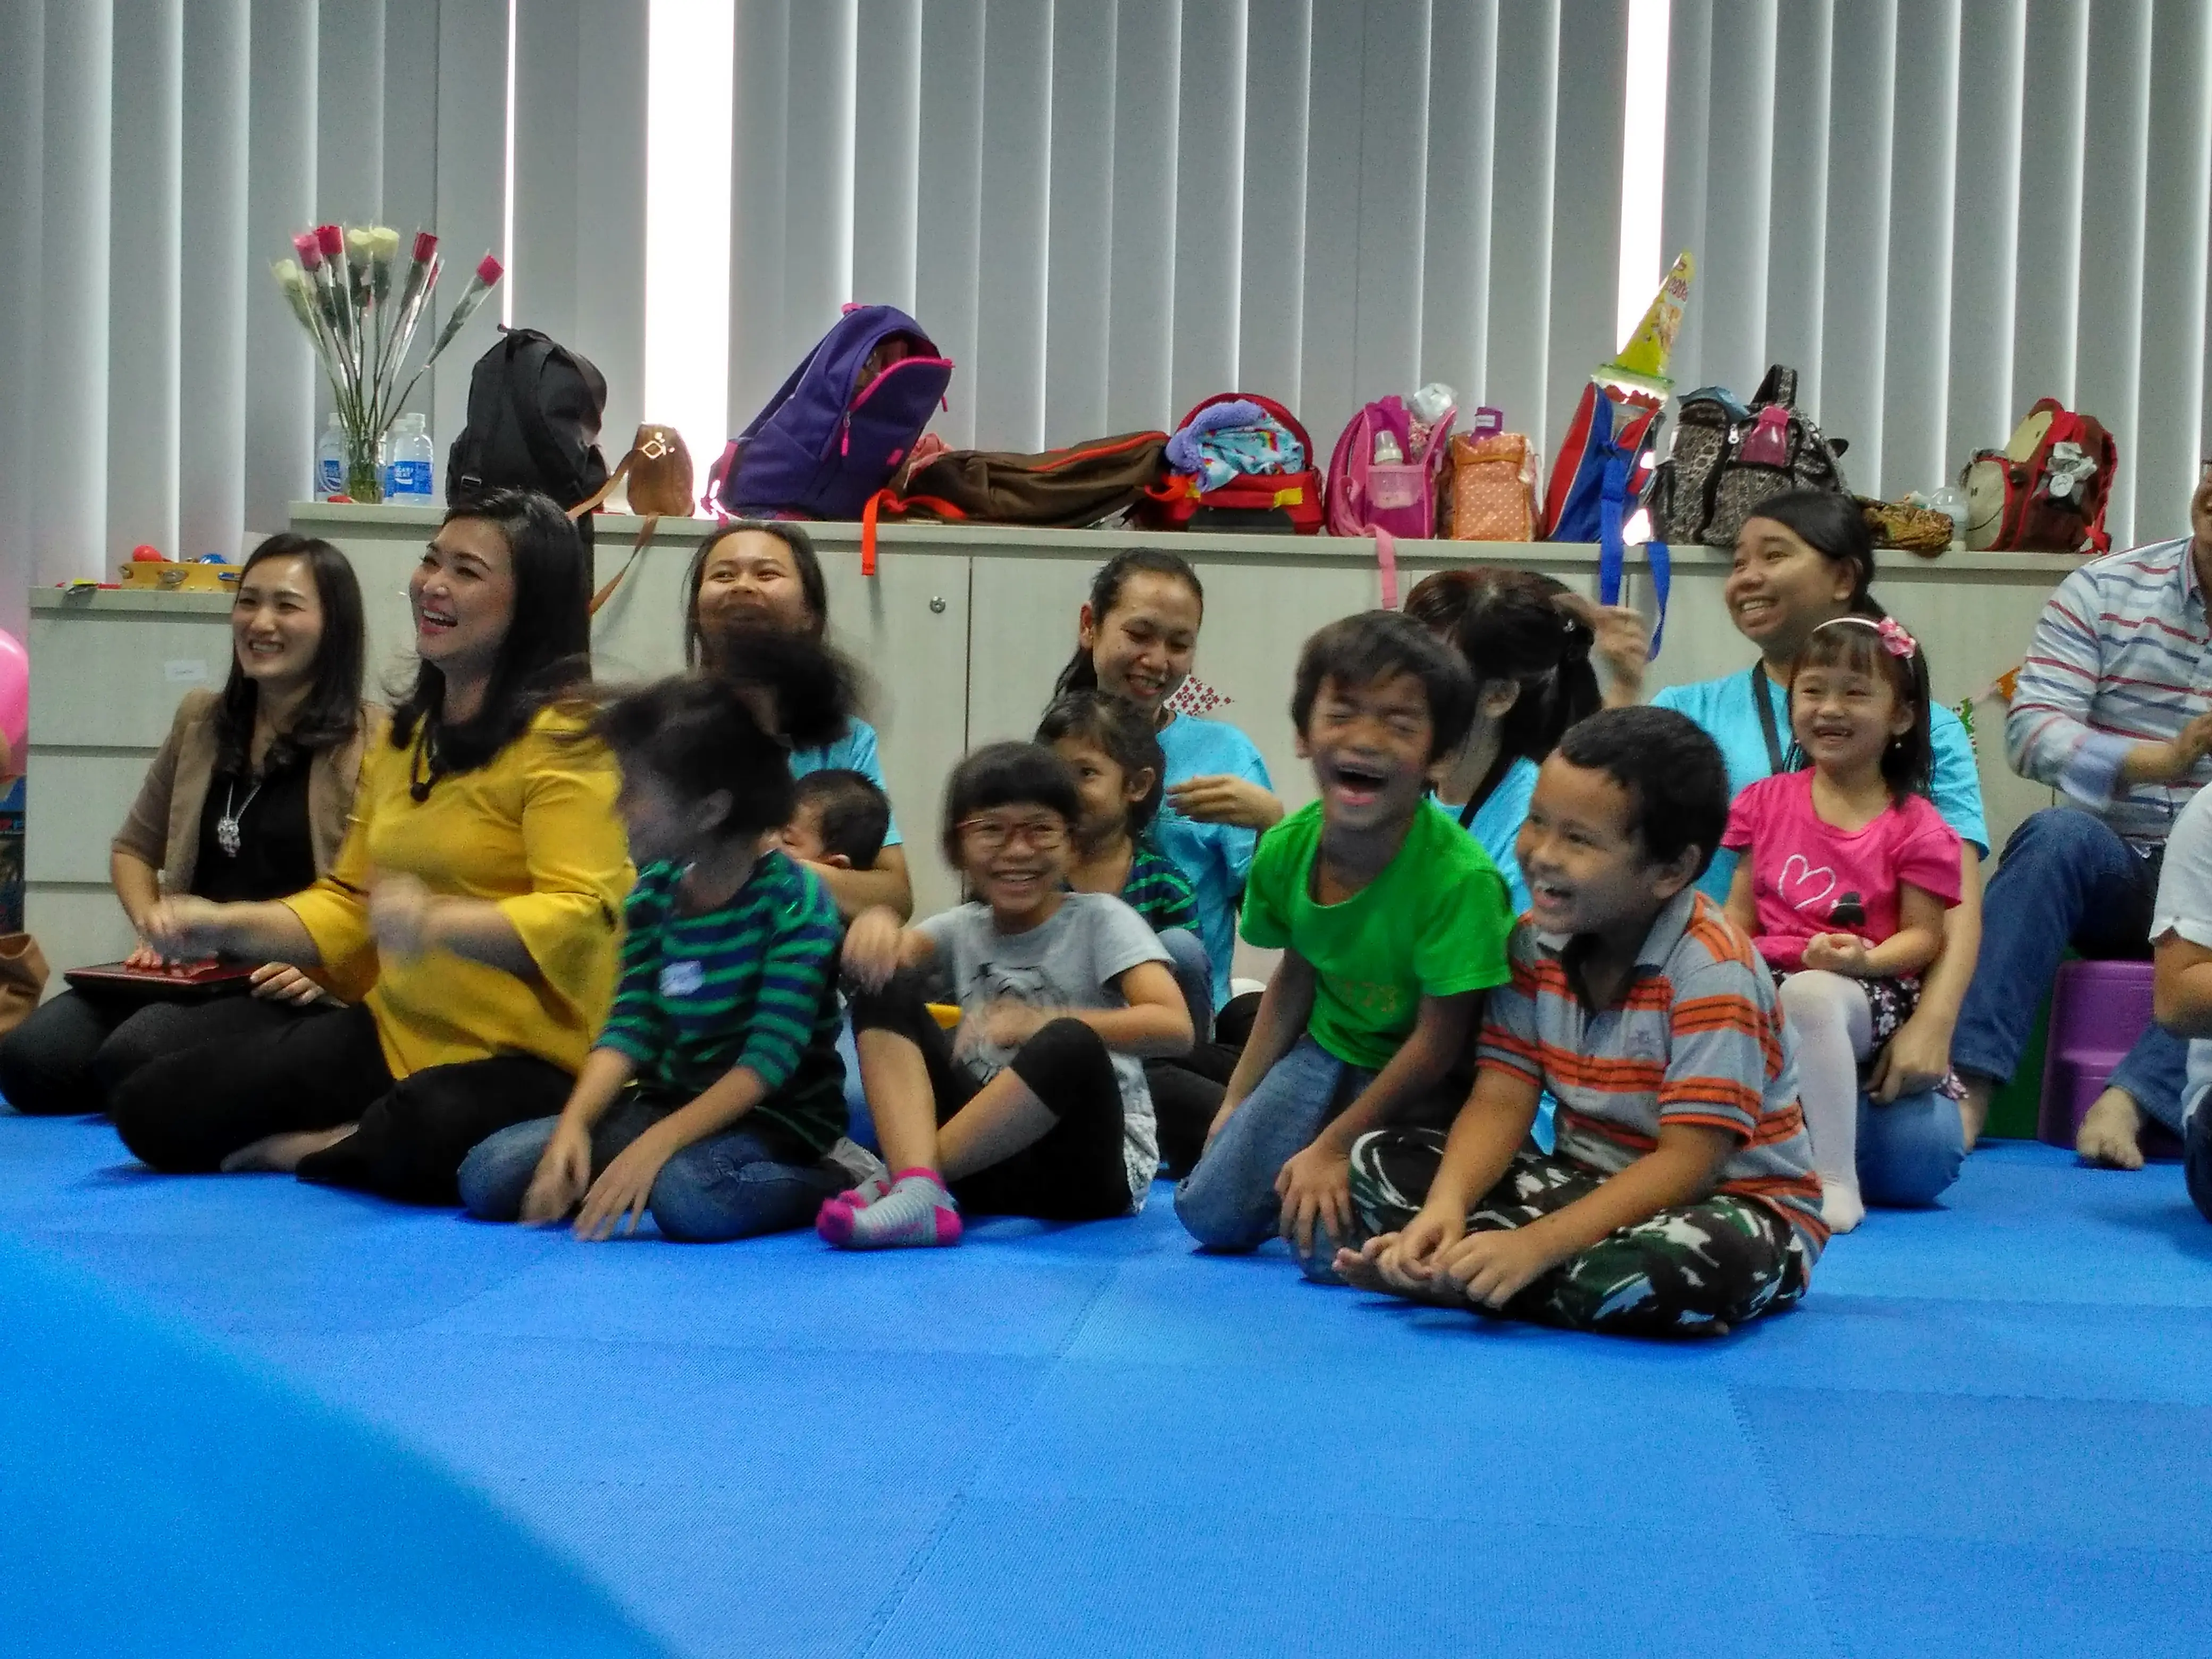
(1974, 1108)
(2109, 1132)
(1841, 1206)
(1361, 1272)
(281, 1154)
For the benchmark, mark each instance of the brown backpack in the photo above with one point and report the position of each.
(1060, 488)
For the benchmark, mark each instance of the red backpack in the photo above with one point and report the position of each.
(1254, 501)
(2045, 490)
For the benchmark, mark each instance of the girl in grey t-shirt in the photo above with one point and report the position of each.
(1038, 1104)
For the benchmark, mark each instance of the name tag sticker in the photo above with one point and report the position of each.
(185, 671)
(682, 979)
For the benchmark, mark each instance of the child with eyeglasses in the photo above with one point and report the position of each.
(1038, 1105)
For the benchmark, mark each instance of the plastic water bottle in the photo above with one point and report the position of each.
(330, 461)
(407, 478)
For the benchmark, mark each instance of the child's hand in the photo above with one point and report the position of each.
(1316, 1186)
(399, 915)
(564, 1172)
(872, 947)
(623, 1189)
(1414, 1255)
(1005, 1024)
(184, 928)
(1494, 1266)
(1838, 953)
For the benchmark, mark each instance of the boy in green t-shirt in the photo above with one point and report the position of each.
(1392, 922)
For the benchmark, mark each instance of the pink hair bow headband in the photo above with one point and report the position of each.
(1895, 639)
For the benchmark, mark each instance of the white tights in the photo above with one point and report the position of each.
(1835, 1031)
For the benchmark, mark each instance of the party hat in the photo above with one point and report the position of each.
(1643, 360)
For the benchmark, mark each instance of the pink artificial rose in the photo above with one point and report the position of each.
(310, 248)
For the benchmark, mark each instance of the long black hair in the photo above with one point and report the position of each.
(1832, 524)
(330, 714)
(804, 560)
(797, 685)
(546, 650)
(1516, 625)
(698, 735)
(1081, 673)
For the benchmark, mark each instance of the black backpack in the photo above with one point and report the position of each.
(534, 409)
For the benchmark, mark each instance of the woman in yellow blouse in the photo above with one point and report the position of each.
(473, 910)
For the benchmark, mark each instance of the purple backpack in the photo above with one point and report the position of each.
(835, 432)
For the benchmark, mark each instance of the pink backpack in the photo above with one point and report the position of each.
(1387, 499)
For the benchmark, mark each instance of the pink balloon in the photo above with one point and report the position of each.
(14, 694)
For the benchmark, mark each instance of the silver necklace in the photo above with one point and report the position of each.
(227, 836)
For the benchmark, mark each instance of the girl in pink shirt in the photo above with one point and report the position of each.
(1849, 871)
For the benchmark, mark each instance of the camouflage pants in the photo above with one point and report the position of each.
(1720, 1261)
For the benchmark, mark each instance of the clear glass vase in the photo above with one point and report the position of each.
(364, 465)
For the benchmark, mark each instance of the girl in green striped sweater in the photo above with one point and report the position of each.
(714, 1091)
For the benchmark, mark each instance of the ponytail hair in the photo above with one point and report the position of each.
(1081, 674)
(1519, 626)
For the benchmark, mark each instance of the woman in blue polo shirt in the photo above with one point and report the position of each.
(1807, 558)
(1136, 636)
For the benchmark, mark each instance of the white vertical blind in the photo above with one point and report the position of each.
(1080, 225)
(1272, 273)
(472, 172)
(1006, 377)
(282, 94)
(69, 484)
(156, 157)
(22, 190)
(1141, 267)
(144, 296)
(948, 205)
(1209, 202)
(1456, 255)
(1969, 204)
(214, 274)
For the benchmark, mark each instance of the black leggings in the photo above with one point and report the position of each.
(1077, 1171)
(74, 1051)
(186, 1112)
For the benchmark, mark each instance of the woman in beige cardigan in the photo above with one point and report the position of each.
(247, 800)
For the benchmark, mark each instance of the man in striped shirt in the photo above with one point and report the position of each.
(1681, 1200)
(2112, 711)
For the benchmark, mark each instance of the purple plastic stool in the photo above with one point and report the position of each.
(2098, 1010)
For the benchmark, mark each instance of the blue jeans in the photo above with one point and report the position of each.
(2066, 878)
(1194, 975)
(1909, 1151)
(733, 1185)
(1228, 1202)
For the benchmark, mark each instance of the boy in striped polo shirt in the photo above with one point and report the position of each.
(1681, 1199)
(714, 1091)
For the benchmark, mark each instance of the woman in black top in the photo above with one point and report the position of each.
(247, 800)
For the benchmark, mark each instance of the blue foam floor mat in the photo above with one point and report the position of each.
(1988, 1431)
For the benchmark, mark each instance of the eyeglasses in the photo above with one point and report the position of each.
(996, 835)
